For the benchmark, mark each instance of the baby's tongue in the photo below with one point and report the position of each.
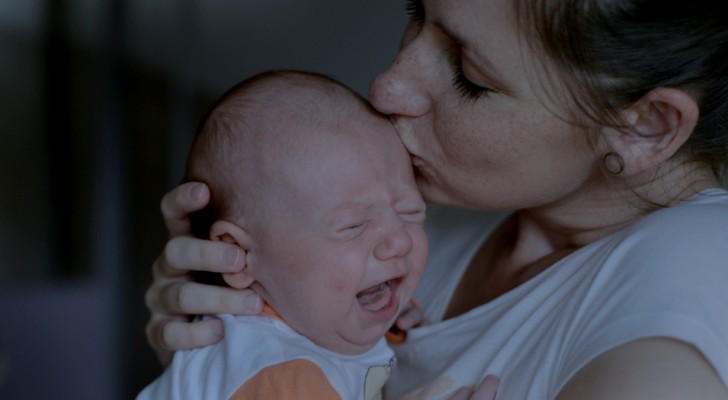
(376, 298)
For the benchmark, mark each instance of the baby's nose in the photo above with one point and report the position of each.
(395, 242)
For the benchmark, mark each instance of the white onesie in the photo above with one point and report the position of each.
(263, 358)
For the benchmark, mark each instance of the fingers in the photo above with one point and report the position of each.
(173, 303)
(462, 394)
(173, 297)
(488, 389)
(178, 203)
(184, 254)
(410, 317)
(172, 292)
(191, 298)
(167, 336)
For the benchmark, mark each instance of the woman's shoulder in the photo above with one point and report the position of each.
(689, 236)
(674, 259)
(703, 217)
(710, 204)
(663, 277)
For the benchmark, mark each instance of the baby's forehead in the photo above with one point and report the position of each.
(320, 100)
(277, 108)
(276, 123)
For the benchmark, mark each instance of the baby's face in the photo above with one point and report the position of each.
(344, 249)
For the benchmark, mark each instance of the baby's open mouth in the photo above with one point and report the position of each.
(376, 297)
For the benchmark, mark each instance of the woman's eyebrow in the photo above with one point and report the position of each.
(467, 44)
(485, 66)
(454, 35)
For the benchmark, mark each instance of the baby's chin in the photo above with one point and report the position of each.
(372, 313)
(361, 335)
(358, 343)
(376, 310)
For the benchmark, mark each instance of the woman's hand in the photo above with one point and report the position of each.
(486, 391)
(173, 297)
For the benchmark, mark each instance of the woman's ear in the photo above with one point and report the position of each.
(658, 125)
(229, 232)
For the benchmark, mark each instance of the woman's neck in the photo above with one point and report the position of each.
(534, 239)
(602, 208)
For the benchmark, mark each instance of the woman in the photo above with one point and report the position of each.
(604, 125)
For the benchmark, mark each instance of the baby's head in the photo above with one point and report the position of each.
(318, 190)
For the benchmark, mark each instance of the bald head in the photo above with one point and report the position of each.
(261, 133)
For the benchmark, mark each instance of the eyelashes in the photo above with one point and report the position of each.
(415, 10)
(465, 87)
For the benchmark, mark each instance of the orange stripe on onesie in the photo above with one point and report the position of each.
(295, 379)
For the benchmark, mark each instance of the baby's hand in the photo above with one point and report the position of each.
(411, 316)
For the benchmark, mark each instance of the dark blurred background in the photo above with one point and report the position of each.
(99, 100)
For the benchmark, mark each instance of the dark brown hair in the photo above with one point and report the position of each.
(610, 53)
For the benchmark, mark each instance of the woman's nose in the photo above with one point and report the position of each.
(400, 89)
(394, 242)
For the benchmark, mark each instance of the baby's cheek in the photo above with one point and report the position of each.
(338, 285)
(342, 286)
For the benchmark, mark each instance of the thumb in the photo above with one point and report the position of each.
(462, 394)
(488, 389)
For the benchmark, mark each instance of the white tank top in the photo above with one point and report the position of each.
(666, 275)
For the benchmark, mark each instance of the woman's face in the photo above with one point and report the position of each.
(472, 110)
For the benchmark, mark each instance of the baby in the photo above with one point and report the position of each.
(318, 190)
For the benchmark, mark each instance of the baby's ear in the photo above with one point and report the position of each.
(229, 232)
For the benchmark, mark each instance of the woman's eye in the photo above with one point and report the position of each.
(467, 88)
(415, 10)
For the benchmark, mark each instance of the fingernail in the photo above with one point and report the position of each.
(408, 321)
(231, 255)
(218, 332)
(252, 301)
(195, 191)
